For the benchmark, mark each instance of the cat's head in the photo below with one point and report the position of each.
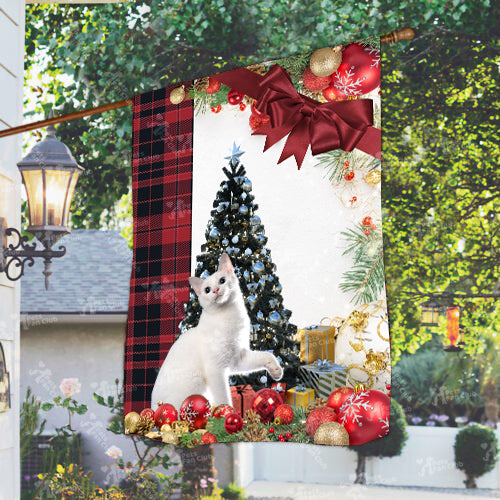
(219, 288)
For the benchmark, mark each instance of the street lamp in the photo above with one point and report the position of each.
(453, 328)
(50, 174)
(430, 314)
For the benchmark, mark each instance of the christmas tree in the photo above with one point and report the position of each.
(236, 229)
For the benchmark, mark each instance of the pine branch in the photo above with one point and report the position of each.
(203, 101)
(370, 41)
(295, 65)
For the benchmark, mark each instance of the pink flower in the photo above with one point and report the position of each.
(114, 452)
(70, 386)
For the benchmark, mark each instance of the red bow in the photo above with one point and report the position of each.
(324, 126)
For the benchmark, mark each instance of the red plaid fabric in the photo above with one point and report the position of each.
(162, 173)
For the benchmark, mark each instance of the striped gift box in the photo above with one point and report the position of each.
(323, 376)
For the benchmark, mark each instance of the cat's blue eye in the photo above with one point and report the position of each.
(207, 289)
(222, 281)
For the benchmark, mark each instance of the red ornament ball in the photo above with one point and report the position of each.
(349, 176)
(332, 93)
(213, 86)
(216, 109)
(285, 413)
(234, 97)
(317, 417)
(359, 71)
(195, 410)
(314, 83)
(288, 435)
(243, 107)
(271, 429)
(338, 397)
(257, 121)
(148, 413)
(233, 423)
(365, 416)
(208, 438)
(388, 387)
(265, 402)
(367, 221)
(367, 232)
(165, 414)
(222, 411)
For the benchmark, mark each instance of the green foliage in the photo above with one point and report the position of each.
(393, 443)
(476, 451)
(233, 492)
(30, 423)
(434, 382)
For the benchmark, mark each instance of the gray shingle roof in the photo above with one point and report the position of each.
(92, 278)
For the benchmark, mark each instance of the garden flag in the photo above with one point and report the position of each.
(257, 296)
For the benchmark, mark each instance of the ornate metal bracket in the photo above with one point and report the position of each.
(16, 257)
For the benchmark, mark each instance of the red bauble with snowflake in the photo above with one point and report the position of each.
(234, 97)
(285, 413)
(265, 402)
(359, 72)
(165, 414)
(317, 417)
(195, 410)
(148, 413)
(314, 83)
(222, 411)
(365, 416)
(338, 397)
(208, 438)
(233, 423)
(213, 86)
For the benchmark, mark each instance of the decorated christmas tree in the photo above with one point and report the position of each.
(235, 228)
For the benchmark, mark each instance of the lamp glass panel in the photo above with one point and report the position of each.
(56, 191)
(34, 191)
(69, 199)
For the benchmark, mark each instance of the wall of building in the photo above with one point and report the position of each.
(11, 88)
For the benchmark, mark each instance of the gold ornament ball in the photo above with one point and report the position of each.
(165, 428)
(170, 437)
(373, 177)
(325, 61)
(177, 95)
(131, 420)
(331, 433)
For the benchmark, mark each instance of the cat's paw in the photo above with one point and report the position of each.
(274, 368)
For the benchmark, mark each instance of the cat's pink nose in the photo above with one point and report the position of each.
(216, 290)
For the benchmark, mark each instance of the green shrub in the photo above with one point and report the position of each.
(476, 452)
(233, 492)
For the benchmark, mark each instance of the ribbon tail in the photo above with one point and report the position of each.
(371, 142)
(297, 143)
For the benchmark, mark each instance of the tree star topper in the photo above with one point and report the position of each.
(235, 153)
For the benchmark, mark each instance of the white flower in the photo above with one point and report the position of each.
(70, 386)
(114, 452)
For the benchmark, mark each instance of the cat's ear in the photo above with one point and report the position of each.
(225, 264)
(196, 284)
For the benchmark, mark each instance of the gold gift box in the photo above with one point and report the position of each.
(299, 396)
(317, 342)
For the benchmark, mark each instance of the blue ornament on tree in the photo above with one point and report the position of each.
(235, 239)
(260, 315)
(214, 233)
(205, 274)
(258, 267)
(243, 209)
(247, 185)
(252, 299)
(263, 379)
(246, 275)
(255, 220)
(275, 318)
(248, 251)
(225, 242)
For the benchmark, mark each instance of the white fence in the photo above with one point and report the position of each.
(427, 460)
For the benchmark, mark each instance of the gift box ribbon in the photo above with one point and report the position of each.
(323, 126)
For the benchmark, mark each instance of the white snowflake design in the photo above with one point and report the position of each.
(189, 414)
(347, 84)
(375, 53)
(384, 428)
(352, 407)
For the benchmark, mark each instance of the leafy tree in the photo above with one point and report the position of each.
(390, 445)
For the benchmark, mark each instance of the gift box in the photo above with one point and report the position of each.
(279, 387)
(299, 396)
(242, 396)
(317, 342)
(323, 376)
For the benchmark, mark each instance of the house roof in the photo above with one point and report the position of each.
(92, 278)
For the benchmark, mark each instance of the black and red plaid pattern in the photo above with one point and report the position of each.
(162, 172)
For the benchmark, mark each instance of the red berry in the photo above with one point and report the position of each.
(389, 393)
(349, 176)
(388, 387)
(216, 109)
(271, 429)
(213, 86)
(367, 221)
(373, 226)
(243, 107)
(367, 232)
(281, 436)
(346, 163)
(288, 435)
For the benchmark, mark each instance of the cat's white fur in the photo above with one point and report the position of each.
(202, 359)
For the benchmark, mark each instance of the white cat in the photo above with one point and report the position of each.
(202, 359)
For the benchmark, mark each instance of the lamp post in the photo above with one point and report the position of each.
(50, 173)
(430, 314)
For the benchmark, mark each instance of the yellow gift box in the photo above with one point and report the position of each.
(317, 342)
(299, 396)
